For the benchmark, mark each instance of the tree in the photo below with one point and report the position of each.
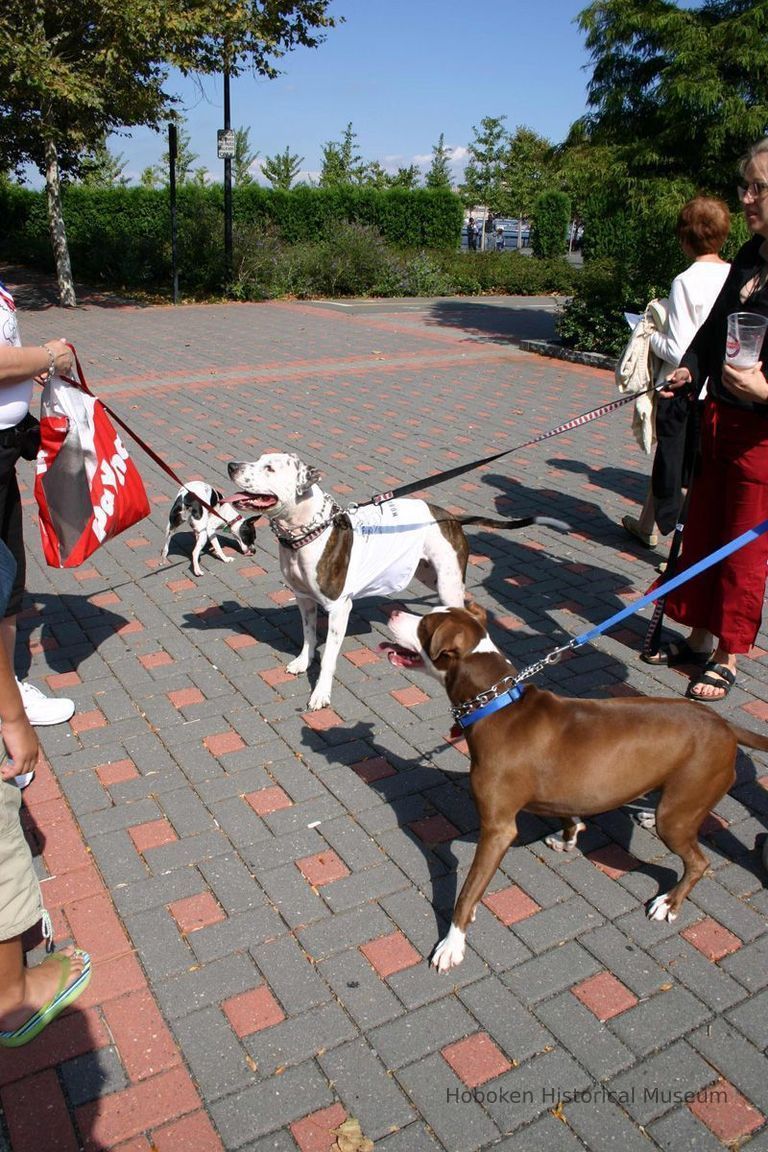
(526, 166)
(282, 169)
(483, 174)
(342, 163)
(72, 71)
(102, 169)
(678, 92)
(376, 175)
(185, 159)
(243, 158)
(405, 177)
(582, 168)
(439, 173)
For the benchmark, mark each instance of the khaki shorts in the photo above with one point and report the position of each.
(20, 903)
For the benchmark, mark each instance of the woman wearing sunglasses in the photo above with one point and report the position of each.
(723, 606)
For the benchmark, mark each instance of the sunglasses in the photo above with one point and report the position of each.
(756, 189)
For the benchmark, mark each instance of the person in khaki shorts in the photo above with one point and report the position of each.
(29, 997)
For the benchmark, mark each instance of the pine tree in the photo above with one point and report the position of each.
(243, 158)
(282, 169)
(342, 163)
(439, 173)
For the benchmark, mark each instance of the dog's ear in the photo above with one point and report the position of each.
(477, 611)
(216, 497)
(444, 642)
(305, 478)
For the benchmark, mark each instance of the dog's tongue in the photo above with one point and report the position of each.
(401, 657)
(250, 500)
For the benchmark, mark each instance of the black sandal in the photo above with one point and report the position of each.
(715, 676)
(678, 652)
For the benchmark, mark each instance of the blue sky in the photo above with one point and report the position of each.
(402, 71)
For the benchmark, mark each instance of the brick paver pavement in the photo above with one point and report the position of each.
(259, 886)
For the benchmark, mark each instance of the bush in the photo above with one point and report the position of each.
(551, 221)
(631, 255)
(593, 321)
(122, 236)
(296, 243)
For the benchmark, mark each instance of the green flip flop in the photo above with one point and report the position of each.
(66, 994)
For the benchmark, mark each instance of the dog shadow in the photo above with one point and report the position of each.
(585, 514)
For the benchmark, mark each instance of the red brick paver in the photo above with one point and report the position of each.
(711, 938)
(196, 912)
(726, 1112)
(511, 904)
(315, 1132)
(604, 995)
(252, 1011)
(390, 954)
(323, 868)
(476, 1059)
(613, 860)
(268, 800)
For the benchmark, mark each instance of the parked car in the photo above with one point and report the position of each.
(510, 233)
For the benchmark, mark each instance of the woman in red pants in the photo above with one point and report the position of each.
(723, 606)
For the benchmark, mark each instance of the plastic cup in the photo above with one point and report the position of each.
(744, 339)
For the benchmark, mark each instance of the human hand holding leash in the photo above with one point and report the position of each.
(675, 381)
(60, 360)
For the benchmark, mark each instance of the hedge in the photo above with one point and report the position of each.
(121, 236)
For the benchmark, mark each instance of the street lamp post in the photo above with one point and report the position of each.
(226, 150)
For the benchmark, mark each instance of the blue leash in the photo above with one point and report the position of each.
(663, 589)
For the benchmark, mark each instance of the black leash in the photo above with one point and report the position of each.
(461, 469)
(652, 639)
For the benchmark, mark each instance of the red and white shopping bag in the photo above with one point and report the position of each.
(87, 488)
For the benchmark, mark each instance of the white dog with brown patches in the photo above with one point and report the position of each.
(332, 557)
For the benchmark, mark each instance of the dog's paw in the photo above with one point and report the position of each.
(228, 559)
(297, 666)
(660, 909)
(319, 699)
(197, 571)
(450, 951)
(558, 843)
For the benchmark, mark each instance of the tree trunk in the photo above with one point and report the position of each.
(58, 232)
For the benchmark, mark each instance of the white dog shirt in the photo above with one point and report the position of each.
(387, 547)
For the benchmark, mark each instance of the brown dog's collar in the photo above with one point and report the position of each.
(485, 703)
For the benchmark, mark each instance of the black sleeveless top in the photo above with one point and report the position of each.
(706, 352)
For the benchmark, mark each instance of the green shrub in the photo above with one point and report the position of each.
(551, 221)
(304, 243)
(631, 255)
(121, 236)
(593, 320)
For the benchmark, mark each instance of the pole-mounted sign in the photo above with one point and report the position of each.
(225, 143)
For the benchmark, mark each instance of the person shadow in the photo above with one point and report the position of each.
(72, 627)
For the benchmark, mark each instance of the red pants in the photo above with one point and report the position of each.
(728, 497)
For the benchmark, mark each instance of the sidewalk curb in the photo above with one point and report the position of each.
(558, 352)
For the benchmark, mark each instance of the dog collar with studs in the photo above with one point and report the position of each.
(485, 703)
(300, 537)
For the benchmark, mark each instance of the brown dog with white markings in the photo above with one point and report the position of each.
(557, 757)
(332, 557)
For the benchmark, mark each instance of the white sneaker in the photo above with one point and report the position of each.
(42, 709)
(25, 779)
